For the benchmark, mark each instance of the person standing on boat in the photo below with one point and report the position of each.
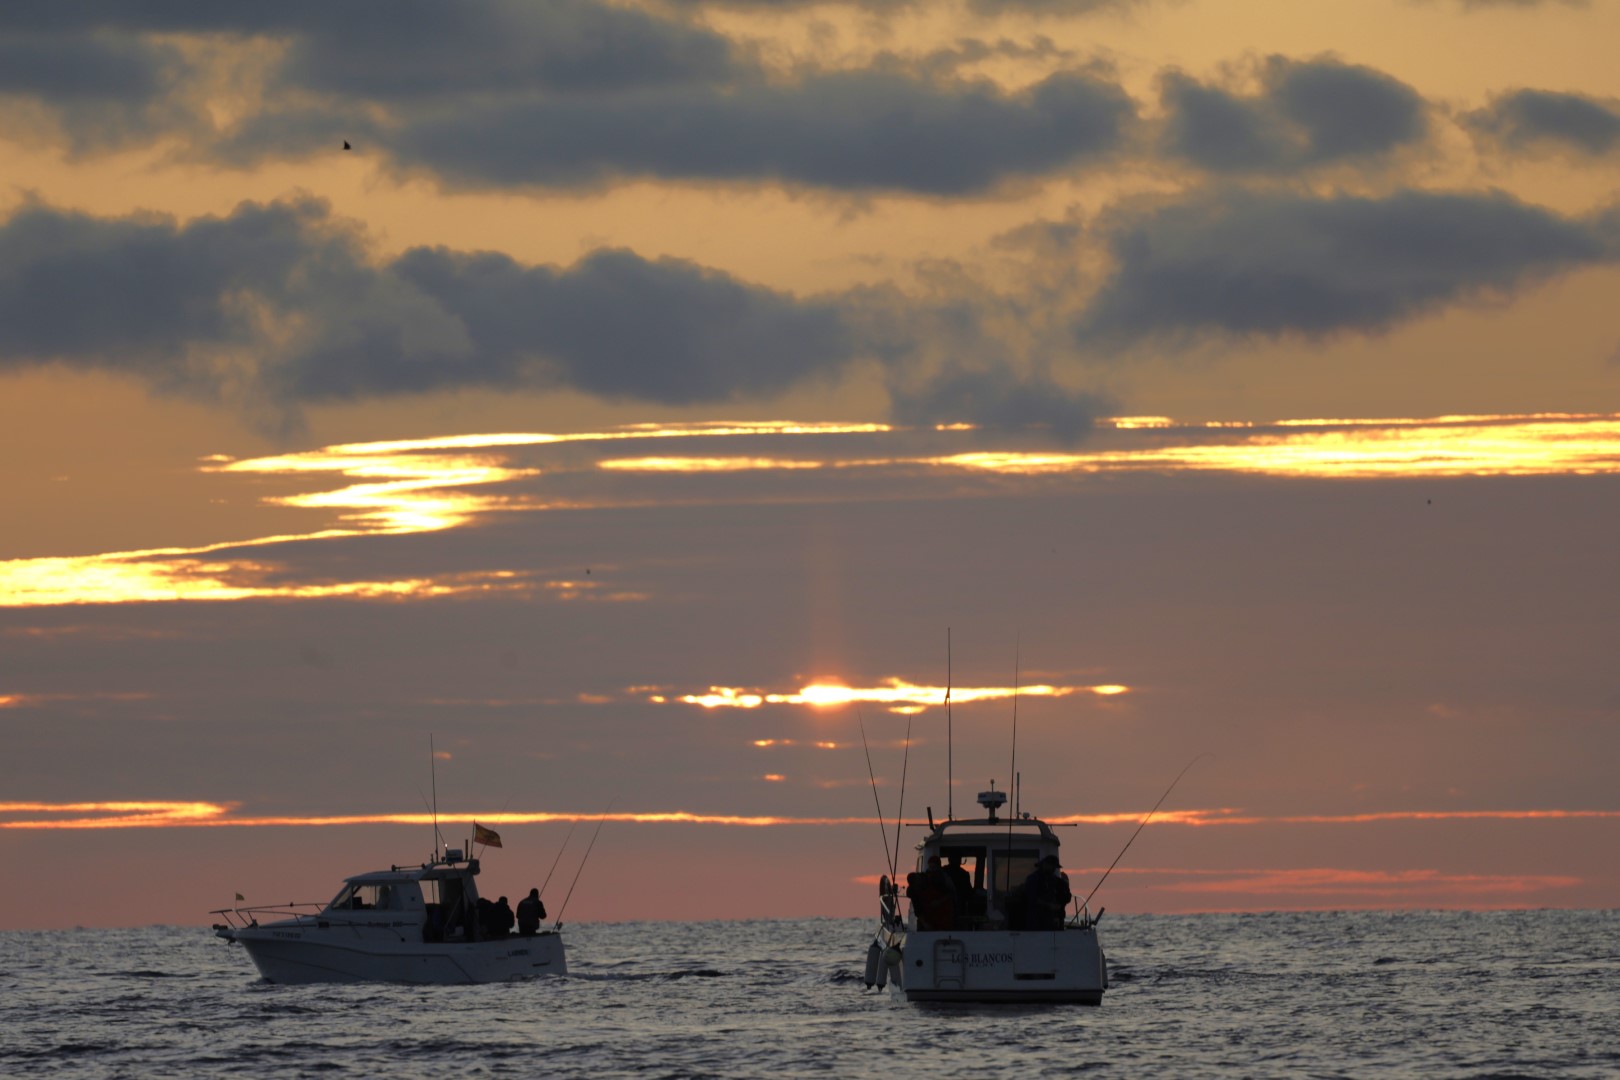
(1047, 894)
(962, 884)
(530, 910)
(935, 897)
(501, 919)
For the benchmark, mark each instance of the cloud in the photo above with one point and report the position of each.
(1237, 263)
(564, 93)
(279, 302)
(1305, 114)
(848, 131)
(983, 8)
(1000, 401)
(413, 49)
(96, 91)
(1531, 120)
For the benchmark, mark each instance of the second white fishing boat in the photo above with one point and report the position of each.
(986, 918)
(406, 924)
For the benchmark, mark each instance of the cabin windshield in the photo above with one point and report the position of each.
(384, 896)
(1012, 867)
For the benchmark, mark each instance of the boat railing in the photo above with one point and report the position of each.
(245, 918)
(1083, 919)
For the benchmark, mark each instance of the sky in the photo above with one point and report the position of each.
(621, 423)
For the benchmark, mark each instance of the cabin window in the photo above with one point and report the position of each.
(975, 864)
(1012, 867)
(363, 898)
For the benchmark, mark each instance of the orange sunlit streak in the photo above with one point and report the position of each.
(897, 694)
(398, 487)
(154, 814)
(1541, 444)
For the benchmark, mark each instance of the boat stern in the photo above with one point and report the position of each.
(1065, 966)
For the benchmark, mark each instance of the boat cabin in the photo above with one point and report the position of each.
(439, 899)
(995, 857)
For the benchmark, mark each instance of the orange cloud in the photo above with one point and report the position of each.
(1326, 881)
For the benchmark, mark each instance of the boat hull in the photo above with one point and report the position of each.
(1002, 966)
(322, 955)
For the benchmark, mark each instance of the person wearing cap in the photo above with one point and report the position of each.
(501, 918)
(1047, 893)
(530, 910)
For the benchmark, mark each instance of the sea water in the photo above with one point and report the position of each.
(1336, 994)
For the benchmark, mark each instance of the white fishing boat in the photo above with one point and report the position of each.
(987, 918)
(406, 924)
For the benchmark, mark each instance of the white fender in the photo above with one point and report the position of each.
(873, 955)
(891, 959)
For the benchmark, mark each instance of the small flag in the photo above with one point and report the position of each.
(239, 896)
(487, 837)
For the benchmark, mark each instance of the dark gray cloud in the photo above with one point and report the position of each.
(1542, 119)
(414, 49)
(984, 8)
(856, 131)
(614, 325)
(1240, 263)
(1306, 113)
(571, 93)
(279, 303)
(1000, 401)
(96, 91)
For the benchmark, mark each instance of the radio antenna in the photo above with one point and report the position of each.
(1012, 771)
(433, 771)
(950, 764)
(1013, 768)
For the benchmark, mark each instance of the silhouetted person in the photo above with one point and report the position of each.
(1046, 895)
(530, 911)
(962, 883)
(486, 918)
(933, 897)
(501, 918)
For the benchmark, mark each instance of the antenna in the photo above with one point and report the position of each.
(433, 770)
(950, 764)
(1012, 770)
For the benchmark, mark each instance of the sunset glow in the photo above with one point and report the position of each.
(428, 485)
(128, 815)
(895, 693)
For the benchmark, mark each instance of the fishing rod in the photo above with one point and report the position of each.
(900, 812)
(582, 862)
(558, 859)
(883, 831)
(1012, 770)
(1086, 903)
(950, 764)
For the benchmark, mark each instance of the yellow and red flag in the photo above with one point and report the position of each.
(487, 837)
